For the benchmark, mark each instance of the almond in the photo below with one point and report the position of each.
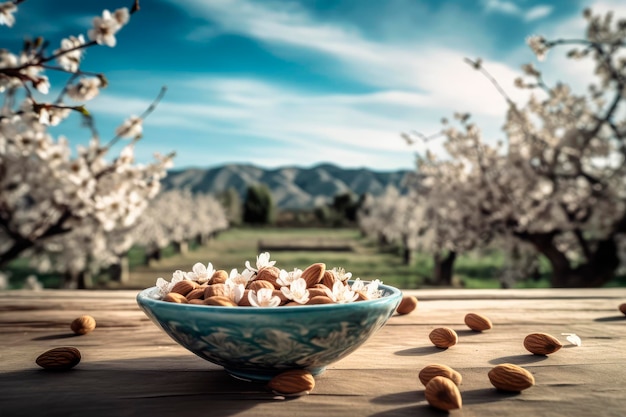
(328, 279)
(362, 296)
(184, 287)
(219, 300)
(509, 377)
(83, 325)
(320, 299)
(199, 301)
(541, 343)
(313, 274)
(269, 273)
(59, 359)
(622, 308)
(431, 371)
(477, 322)
(443, 394)
(215, 289)
(174, 297)
(443, 337)
(408, 304)
(245, 301)
(281, 295)
(257, 284)
(315, 291)
(196, 294)
(219, 277)
(292, 382)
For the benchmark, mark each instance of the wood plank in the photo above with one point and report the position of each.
(130, 367)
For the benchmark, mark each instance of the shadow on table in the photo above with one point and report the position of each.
(518, 359)
(419, 406)
(467, 332)
(406, 397)
(419, 351)
(486, 395)
(56, 336)
(141, 386)
(610, 318)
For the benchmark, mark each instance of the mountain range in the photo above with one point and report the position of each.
(291, 187)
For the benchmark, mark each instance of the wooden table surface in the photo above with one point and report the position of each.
(130, 367)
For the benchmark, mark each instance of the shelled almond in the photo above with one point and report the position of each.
(407, 305)
(443, 337)
(477, 322)
(509, 377)
(292, 382)
(541, 343)
(83, 324)
(442, 393)
(429, 372)
(59, 359)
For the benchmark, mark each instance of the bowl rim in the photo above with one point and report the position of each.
(143, 298)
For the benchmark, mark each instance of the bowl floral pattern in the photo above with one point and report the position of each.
(258, 343)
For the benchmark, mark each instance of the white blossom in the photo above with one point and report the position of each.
(85, 89)
(244, 278)
(234, 291)
(263, 297)
(70, 60)
(131, 128)
(297, 291)
(341, 293)
(105, 27)
(262, 260)
(200, 272)
(538, 46)
(573, 338)
(6, 13)
(286, 278)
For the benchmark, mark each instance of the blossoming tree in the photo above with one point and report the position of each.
(394, 218)
(46, 189)
(178, 216)
(558, 182)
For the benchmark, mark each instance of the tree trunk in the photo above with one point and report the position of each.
(181, 247)
(153, 254)
(407, 253)
(119, 272)
(77, 280)
(202, 239)
(14, 252)
(599, 268)
(444, 268)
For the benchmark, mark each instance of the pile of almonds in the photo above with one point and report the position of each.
(214, 292)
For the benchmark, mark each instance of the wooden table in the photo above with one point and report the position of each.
(130, 367)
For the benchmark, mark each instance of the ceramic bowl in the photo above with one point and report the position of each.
(257, 343)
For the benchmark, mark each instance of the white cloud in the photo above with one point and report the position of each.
(410, 87)
(510, 8)
(538, 12)
(500, 6)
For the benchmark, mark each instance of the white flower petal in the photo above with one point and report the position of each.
(573, 338)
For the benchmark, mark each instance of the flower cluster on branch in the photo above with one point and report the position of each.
(49, 191)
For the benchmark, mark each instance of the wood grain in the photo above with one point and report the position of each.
(130, 367)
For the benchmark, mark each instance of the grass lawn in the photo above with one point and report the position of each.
(233, 247)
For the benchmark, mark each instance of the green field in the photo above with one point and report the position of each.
(367, 260)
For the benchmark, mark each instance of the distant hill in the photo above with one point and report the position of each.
(291, 187)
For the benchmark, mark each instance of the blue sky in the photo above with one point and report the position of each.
(302, 82)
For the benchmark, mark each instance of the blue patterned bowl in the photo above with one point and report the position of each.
(257, 343)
